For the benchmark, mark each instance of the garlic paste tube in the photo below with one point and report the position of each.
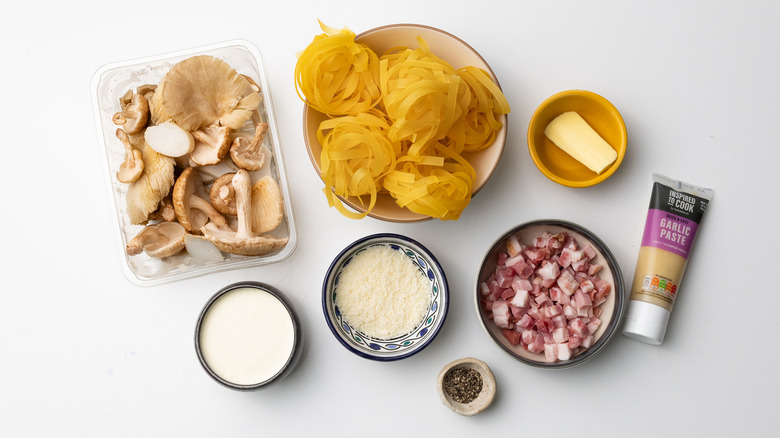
(673, 218)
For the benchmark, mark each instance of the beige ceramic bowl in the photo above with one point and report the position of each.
(451, 49)
(485, 397)
(612, 309)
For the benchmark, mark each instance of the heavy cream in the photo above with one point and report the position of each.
(247, 336)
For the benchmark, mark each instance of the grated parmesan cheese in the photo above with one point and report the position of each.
(382, 293)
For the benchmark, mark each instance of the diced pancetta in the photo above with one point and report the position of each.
(512, 336)
(501, 314)
(567, 283)
(513, 246)
(560, 335)
(520, 299)
(545, 297)
(551, 352)
(564, 352)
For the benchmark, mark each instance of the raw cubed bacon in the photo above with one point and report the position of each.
(550, 352)
(587, 286)
(512, 336)
(519, 284)
(523, 269)
(560, 335)
(581, 265)
(567, 283)
(542, 300)
(581, 300)
(541, 241)
(511, 261)
(569, 311)
(544, 325)
(537, 346)
(517, 312)
(553, 310)
(587, 342)
(526, 321)
(547, 283)
(534, 312)
(578, 327)
(594, 324)
(501, 314)
(559, 321)
(589, 252)
(513, 246)
(564, 352)
(594, 269)
(520, 299)
(504, 276)
(528, 336)
(536, 255)
(545, 296)
(603, 287)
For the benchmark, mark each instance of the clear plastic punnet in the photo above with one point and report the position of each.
(109, 85)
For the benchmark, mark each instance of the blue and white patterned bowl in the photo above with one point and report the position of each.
(403, 346)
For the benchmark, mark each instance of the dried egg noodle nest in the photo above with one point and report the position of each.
(428, 115)
(203, 90)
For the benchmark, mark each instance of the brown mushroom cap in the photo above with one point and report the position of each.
(160, 240)
(211, 144)
(203, 90)
(248, 154)
(222, 194)
(243, 241)
(190, 201)
(134, 115)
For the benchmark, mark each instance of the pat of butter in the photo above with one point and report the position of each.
(571, 132)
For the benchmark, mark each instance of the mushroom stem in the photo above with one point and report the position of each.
(130, 170)
(198, 203)
(149, 234)
(242, 186)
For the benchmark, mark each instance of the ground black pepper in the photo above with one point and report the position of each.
(463, 384)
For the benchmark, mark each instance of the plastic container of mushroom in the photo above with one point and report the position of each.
(173, 131)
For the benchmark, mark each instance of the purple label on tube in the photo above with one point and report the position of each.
(669, 231)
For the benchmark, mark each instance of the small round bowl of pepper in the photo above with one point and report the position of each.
(467, 386)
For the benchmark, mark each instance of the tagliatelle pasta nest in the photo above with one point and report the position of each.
(399, 123)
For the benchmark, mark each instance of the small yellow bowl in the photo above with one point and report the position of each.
(556, 164)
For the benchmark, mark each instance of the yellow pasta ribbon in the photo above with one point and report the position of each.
(407, 118)
(356, 155)
(337, 76)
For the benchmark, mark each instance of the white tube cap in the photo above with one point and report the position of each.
(645, 322)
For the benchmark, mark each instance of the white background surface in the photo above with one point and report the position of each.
(83, 352)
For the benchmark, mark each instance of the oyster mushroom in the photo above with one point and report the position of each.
(211, 144)
(130, 169)
(134, 114)
(158, 112)
(160, 240)
(222, 194)
(267, 205)
(243, 241)
(248, 154)
(203, 90)
(190, 201)
(144, 195)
